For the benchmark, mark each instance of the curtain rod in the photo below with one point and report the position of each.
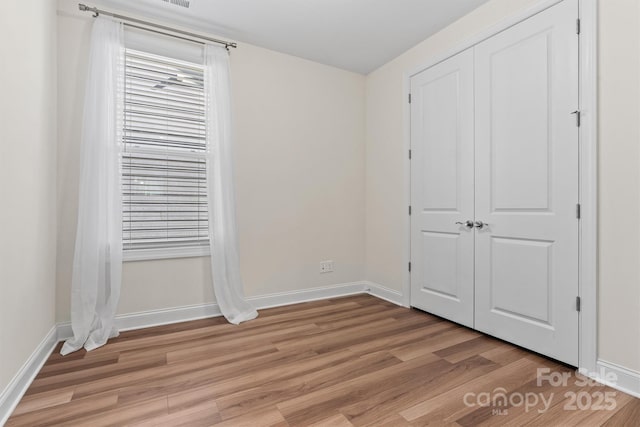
(166, 30)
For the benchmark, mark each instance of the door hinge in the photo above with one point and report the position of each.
(409, 154)
(409, 267)
(578, 304)
(409, 210)
(409, 98)
(578, 117)
(578, 211)
(578, 28)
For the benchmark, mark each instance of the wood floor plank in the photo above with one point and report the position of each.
(203, 414)
(35, 402)
(224, 347)
(416, 334)
(235, 344)
(627, 415)
(444, 340)
(503, 353)
(187, 374)
(306, 313)
(156, 386)
(416, 390)
(311, 407)
(376, 341)
(121, 415)
(587, 417)
(238, 377)
(263, 418)
(466, 349)
(321, 338)
(268, 393)
(352, 361)
(197, 396)
(361, 317)
(106, 371)
(75, 365)
(157, 331)
(450, 406)
(389, 420)
(219, 333)
(570, 417)
(67, 412)
(519, 415)
(337, 420)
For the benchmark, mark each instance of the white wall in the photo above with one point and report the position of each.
(619, 182)
(619, 158)
(27, 180)
(299, 141)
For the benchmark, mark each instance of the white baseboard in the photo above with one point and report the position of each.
(12, 394)
(295, 297)
(384, 293)
(151, 318)
(618, 377)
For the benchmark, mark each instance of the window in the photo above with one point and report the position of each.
(164, 185)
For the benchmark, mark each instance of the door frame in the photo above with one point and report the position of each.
(588, 165)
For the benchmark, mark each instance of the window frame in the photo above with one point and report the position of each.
(177, 252)
(171, 251)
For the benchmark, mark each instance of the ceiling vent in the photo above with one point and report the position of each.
(183, 3)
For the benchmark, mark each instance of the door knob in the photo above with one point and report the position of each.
(480, 225)
(468, 223)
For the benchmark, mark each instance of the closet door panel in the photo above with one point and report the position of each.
(442, 189)
(526, 165)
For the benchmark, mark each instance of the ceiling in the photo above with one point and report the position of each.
(356, 35)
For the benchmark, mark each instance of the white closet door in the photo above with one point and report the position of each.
(442, 189)
(527, 184)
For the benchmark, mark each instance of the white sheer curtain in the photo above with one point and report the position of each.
(97, 263)
(225, 265)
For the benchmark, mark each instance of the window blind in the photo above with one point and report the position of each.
(164, 185)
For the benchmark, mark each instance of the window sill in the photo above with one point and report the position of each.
(165, 253)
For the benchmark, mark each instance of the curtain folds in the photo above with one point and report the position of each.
(97, 263)
(225, 264)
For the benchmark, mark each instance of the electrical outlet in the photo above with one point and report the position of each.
(326, 266)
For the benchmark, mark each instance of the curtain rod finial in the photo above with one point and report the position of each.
(84, 8)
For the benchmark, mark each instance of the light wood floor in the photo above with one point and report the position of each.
(342, 362)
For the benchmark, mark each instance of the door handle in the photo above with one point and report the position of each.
(480, 225)
(468, 223)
